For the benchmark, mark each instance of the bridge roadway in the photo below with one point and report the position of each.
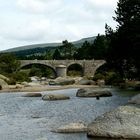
(88, 67)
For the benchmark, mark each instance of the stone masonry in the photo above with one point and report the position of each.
(89, 67)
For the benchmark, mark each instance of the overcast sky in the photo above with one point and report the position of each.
(24, 22)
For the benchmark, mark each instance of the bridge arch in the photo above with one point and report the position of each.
(75, 69)
(75, 62)
(99, 65)
(23, 64)
(40, 65)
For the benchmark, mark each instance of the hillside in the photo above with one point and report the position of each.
(33, 46)
(41, 48)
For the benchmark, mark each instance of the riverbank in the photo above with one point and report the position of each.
(41, 88)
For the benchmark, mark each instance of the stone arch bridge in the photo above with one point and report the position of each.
(88, 67)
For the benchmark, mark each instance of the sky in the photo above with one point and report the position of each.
(26, 22)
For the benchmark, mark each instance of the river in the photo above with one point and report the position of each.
(23, 118)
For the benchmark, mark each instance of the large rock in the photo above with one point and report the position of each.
(101, 83)
(71, 128)
(3, 84)
(32, 84)
(12, 87)
(4, 77)
(123, 122)
(32, 95)
(135, 100)
(52, 97)
(19, 86)
(90, 92)
(66, 82)
(86, 82)
(25, 84)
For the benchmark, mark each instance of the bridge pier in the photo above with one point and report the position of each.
(61, 71)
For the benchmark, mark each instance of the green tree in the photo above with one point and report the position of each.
(8, 63)
(67, 49)
(83, 51)
(48, 55)
(98, 49)
(125, 41)
(56, 55)
(41, 71)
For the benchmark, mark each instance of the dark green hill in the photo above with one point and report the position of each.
(33, 46)
(37, 49)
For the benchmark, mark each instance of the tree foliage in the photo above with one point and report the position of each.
(39, 70)
(67, 50)
(83, 51)
(96, 50)
(123, 53)
(56, 55)
(99, 47)
(8, 63)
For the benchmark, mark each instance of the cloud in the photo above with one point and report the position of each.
(101, 3)
(101, 7)
(38, 6)
(33, 31)
(40, 21)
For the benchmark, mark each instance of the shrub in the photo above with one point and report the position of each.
(12, 81)
(98, 76)
(74, 73)
(19, 76)
(112, 78)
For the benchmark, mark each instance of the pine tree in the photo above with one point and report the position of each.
(125, 41)
(56, 55)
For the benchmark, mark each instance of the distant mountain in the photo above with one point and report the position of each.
(33, 46)
(41, 48)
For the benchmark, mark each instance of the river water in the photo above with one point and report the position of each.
(23, 118)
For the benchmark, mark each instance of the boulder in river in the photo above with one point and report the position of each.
(32, 95)
(66, 82)
(86, 82)
(52, 97)
(90, 92)
(71, 128)
(123, 122)
(135, 99)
